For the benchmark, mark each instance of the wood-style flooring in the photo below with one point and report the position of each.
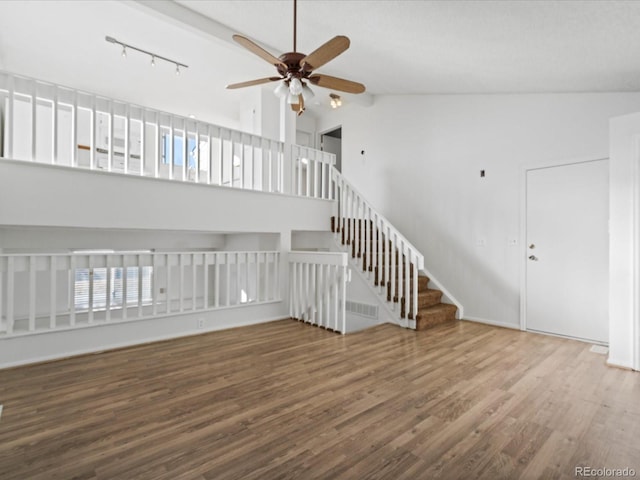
(285, 400)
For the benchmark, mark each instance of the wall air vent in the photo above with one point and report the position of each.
(362, 309)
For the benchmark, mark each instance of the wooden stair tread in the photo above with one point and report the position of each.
(428, 298)
(435, 315)
(440, 307)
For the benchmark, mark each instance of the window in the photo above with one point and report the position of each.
(110, 282)
(178, 151)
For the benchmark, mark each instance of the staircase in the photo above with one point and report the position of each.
(389, 261)
(430, 309)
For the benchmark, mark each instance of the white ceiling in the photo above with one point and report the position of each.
(397, 47)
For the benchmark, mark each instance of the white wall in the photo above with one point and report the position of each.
(40, 195)
(624, 261)
(62, 240)
(421, 169)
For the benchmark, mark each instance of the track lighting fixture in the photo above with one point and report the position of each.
(153, 56)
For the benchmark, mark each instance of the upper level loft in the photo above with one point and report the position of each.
(73, 158)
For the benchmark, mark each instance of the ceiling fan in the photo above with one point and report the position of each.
(297, 69)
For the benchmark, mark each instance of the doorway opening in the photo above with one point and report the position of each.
(331, 141)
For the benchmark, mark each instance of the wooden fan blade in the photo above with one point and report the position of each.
(253, 82)
(325, 53)
(336, 83)
(258, 50)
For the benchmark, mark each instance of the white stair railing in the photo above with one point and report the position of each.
(49, 123)
(318, 283)
(389, 259)
(43, 292)
(312, 172)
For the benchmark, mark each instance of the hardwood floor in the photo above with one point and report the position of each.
(287, 400)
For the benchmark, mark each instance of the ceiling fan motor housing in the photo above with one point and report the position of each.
(292, 61)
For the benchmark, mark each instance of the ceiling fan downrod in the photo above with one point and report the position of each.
(295, 23)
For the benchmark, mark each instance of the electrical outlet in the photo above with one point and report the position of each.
(200, 323)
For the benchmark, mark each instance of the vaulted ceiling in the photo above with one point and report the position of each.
(397, 47)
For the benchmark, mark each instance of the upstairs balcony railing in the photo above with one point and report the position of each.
(48, 123)
(45, 292)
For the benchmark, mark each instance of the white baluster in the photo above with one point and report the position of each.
(197, 158)
(217, 280)
(155, 288)
(125, 281)
(258, 277)
(400, 274)
(414, 309)
(10, 294)
(168, 279)
(185, 152)
(170, 157)
(53, 291)
(72, 290)
(205, 280)
(140, 286)
(108, 262)
(91, 288)
(194, 281)
(407, 282)
(181, 288)
(343, 299)
(32, 293)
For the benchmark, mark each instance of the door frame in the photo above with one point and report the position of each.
(524, 170)
(324, 132)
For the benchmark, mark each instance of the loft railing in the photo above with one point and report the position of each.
(389, 259)
(312, 172)
(48, 123)
(317, 292)
(44, 292)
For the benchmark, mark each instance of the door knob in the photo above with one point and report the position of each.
(533, 257)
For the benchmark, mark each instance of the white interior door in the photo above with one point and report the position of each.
(567, 274)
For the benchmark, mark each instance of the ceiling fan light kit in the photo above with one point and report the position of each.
(296, 69)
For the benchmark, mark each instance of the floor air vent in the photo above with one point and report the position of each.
(362, 309)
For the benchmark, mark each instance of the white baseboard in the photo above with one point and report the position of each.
(512, 326)
(25, 347)
(612, 362)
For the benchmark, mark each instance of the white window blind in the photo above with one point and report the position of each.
(93, 282)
